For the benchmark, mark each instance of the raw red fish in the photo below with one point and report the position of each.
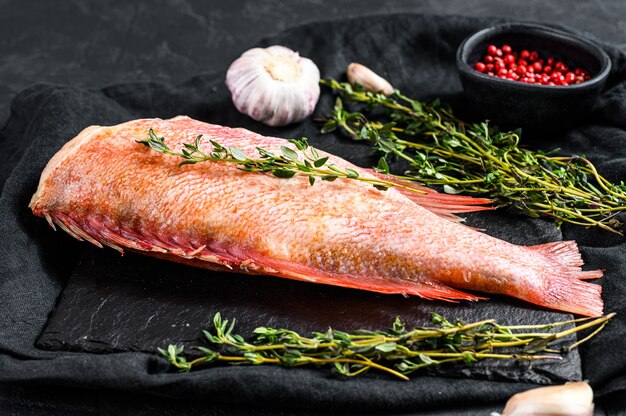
(106, 188)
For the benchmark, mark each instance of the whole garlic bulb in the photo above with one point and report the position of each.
(275, 85)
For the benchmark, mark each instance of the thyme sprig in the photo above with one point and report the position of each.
(284, 165)
(398, 351)
(478, 158)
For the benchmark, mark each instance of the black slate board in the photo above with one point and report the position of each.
(417, 54)
(135, 303)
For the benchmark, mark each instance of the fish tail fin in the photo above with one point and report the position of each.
(565, 286)
(574, 296)
(567, 255)
(444, 205)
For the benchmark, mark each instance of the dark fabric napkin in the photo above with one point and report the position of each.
(416, 53)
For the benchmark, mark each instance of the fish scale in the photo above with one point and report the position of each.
(106, 188)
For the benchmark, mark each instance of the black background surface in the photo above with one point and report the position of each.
(79, 54)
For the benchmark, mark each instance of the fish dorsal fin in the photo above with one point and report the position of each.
(444, 205)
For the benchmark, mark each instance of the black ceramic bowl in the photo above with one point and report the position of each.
(513, 104)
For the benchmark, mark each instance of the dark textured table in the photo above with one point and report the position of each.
(91, 46)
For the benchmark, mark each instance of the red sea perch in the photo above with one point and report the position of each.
(105, 188)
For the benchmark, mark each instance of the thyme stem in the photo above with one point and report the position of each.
(286, 165)
(397, 352)
(477, 158)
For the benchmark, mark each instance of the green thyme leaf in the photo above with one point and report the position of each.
(320, 162)
(289, 153)
(238, 154)
(382, 166)
(285, 174)
(352, 173)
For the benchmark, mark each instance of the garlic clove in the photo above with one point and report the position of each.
(274, 85)
(570, 399)
(369, 79)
